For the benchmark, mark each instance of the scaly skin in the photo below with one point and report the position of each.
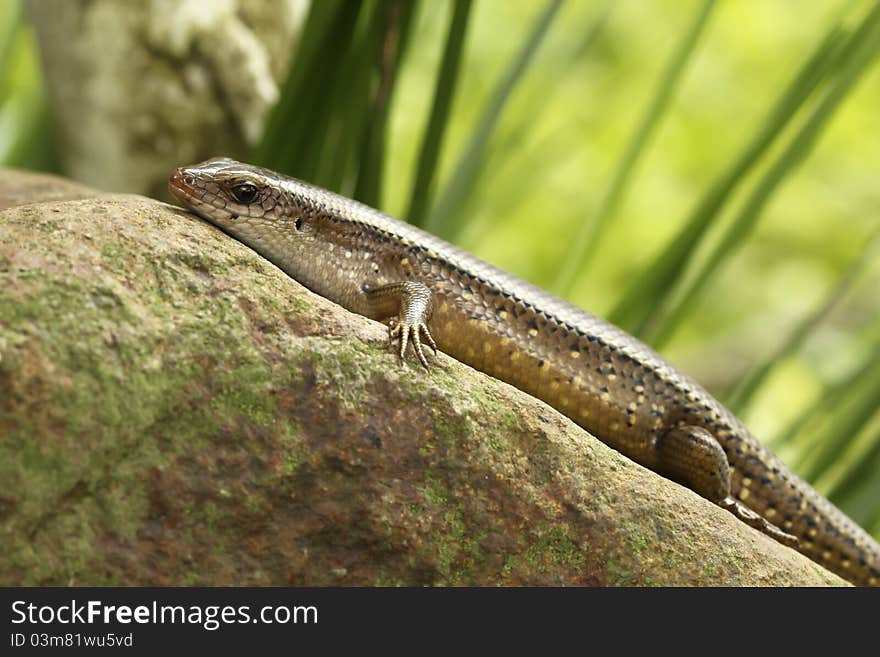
(602, 378)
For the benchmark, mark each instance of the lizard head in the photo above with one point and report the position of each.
(289, 222)
(226, 192)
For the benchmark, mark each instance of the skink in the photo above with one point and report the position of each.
(437, 295)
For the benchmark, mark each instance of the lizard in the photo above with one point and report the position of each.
(435, 295)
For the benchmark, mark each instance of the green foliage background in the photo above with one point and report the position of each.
(702, 172)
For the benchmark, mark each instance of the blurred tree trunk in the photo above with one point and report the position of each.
(140, 87)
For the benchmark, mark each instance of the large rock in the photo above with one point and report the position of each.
(174, 410)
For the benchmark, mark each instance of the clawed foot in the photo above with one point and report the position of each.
(411, 333)
(757, 521)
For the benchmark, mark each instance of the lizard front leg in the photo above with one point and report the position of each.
(692, 456)
(411, 303)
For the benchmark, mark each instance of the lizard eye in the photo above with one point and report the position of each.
(244, 193)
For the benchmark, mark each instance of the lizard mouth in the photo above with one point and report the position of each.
(186, 187)
(181, 184)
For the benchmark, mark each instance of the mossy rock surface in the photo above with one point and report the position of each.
(174, 410)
